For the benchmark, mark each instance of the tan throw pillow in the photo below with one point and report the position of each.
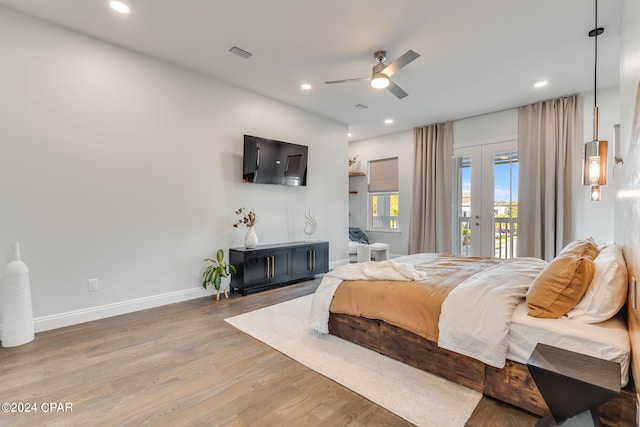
(581, 247)
(560, 286)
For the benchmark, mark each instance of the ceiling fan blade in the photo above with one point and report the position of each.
(347, 80)
(396, 90)
(396, 65)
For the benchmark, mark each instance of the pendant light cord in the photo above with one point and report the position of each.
(595, 68)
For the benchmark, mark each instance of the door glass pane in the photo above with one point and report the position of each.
(463, 206)
(505, 207)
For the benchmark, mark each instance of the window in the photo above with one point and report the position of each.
(383, 194)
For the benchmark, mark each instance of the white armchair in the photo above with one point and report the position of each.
(361, 250)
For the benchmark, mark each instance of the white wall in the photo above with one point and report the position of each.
(122, 167)
(398, 145)
(489, 128)
(627, 197)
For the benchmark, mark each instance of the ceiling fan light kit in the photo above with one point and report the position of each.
(379, 81)
(381, 73)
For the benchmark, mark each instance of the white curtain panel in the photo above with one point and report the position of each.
(431, 211)
(547, 131)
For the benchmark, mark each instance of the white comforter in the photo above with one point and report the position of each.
(476, 315)
(385, 270)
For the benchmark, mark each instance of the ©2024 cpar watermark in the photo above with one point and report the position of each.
(46, 407)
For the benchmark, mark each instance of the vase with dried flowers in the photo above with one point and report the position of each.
(353, 163)
(248, 219)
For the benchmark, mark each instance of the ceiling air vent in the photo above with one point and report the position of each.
(361, 106)
(240, 52)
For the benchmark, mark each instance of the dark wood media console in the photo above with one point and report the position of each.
(267, 266)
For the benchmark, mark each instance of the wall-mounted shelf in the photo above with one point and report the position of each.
(355, 173)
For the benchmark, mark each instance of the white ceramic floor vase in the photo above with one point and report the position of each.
(250, 239)
(17, 318)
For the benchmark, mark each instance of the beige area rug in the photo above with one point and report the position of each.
(417, 396)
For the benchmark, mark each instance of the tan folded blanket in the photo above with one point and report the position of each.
(411, 305)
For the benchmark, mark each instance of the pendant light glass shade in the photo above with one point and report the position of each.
(594, 169)
(595, 163)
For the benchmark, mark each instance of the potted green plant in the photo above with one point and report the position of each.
(215, 271)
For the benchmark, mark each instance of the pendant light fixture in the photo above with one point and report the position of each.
(595, 151)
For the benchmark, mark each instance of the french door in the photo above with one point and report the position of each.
(485, 200)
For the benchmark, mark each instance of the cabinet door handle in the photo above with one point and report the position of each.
(314, 260)
(273, 266)
(268, 268)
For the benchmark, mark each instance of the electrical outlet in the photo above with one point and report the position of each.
(93, 285)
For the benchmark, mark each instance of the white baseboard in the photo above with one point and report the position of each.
(69, 318)
(338, 263)
(55, 321)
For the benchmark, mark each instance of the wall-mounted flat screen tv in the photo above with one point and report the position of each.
(267, 161)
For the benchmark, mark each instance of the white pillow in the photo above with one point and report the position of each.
(608, 290)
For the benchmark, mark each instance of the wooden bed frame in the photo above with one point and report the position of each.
(512, 384)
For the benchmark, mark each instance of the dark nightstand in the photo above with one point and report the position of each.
(572, 384)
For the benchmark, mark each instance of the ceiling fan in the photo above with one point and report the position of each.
(381, 72)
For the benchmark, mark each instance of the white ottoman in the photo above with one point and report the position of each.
(379, 250)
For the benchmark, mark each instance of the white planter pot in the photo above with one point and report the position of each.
(225, 284)
(250, 239)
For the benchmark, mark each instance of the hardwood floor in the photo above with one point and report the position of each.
(183, 365)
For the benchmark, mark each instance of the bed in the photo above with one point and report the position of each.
(377, 305)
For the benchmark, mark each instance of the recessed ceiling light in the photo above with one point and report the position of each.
(388, 121)
(305, 86)
(118, 6)
(349, 134)
(541, 83)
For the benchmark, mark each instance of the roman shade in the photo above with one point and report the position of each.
(383, 175)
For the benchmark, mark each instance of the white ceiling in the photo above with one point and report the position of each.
(476, 56)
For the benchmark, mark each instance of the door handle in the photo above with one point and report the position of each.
(273, 266)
